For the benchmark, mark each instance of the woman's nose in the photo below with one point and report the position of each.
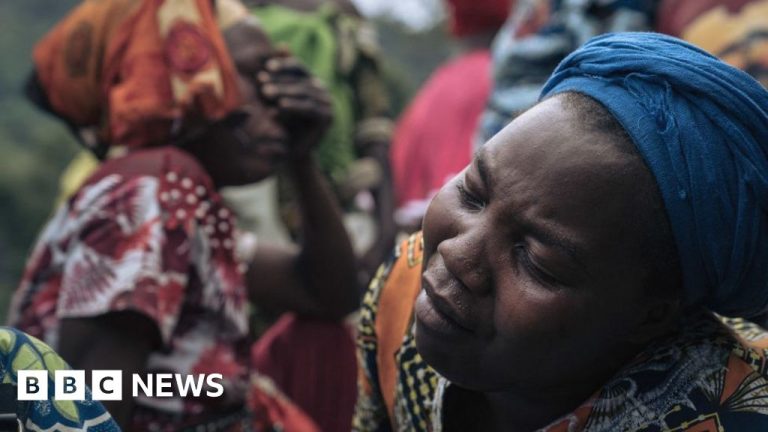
(465, 257)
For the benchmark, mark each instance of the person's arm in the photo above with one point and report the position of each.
(117, 341)
(319, 279)
(384, 198)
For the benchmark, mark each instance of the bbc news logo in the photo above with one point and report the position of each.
(107, 385)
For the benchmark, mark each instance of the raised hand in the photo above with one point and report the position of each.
(302, 103)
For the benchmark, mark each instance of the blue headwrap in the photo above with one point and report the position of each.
(702, 128)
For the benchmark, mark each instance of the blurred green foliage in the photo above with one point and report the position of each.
(35, 148)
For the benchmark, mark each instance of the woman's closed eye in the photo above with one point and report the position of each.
(528, 264)
(469, 200)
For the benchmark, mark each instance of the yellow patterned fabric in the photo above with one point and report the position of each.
(393, 395)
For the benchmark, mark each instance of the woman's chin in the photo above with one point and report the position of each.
(460, 362)
(442, 356)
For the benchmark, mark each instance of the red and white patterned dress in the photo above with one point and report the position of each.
(148, 233)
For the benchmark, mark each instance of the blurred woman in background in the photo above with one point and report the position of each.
(340, 47)
(140, 270)
(433, 139)
(536, 37)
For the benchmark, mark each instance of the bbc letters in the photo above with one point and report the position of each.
(108, 385)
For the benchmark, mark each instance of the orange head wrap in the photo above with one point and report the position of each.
(134, 70)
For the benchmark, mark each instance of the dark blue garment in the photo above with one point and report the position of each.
(702, 128)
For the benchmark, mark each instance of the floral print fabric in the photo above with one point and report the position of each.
(146, 233)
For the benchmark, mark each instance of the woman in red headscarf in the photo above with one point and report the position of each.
(433, 139)
(140, 270)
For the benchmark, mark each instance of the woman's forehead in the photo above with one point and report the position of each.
(544, 167)
(549, 140)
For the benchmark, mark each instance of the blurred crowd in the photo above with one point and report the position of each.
(242, 177)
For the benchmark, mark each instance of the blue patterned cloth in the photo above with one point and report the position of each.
(19, 351)
(702, 128)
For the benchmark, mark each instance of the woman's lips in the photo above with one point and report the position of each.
(438, 313)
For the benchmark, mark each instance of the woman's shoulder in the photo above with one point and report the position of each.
(752, 335)
(164, 175)
(387, 308)
(164, 184)
(710, 376)
(159, 162)
(396, 385)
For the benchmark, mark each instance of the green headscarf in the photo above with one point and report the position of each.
(313, 37)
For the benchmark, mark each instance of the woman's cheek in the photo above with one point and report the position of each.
(440, 220)
(525, 307)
